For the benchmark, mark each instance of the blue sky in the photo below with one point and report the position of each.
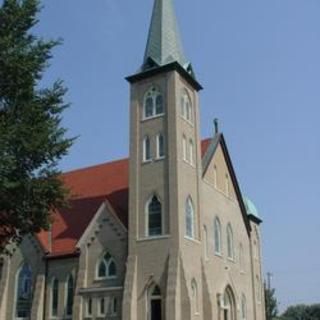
(259, 64)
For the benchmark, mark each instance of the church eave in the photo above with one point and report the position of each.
(174, 66)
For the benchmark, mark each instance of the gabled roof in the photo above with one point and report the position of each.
(90, 187)
(206, 159)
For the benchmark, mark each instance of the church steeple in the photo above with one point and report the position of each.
(164, 44)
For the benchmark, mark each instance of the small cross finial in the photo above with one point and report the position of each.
(216, 126)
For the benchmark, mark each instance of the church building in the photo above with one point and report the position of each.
(165, 234)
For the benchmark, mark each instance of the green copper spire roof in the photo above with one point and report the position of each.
(164, 45)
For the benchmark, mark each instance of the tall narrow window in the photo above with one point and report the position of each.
(155, 303)
(186, 106)
(215, 176)
(191, 152)
(54, 297)
(24, 292)
(184, 148)
(153, 103)
(230, 242)
(154, 214)
(241, 257)
(89, 308)
(243, 307)
(160, 146)
(189, 214)
(114, 306)
(217, 236)
(227, 185)
(69, 295)
(159, 105)
(195, 298)
(146, 149)
(106, 268)
(205, 242)
(102, 307)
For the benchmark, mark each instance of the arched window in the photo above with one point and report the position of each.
(114, 306)
(89, 308)
(186, 106)
(191, 152)
(160, 146)
(217, 236)
(227, 185)
(153, 103)
(215, 176)
(154, 215)
(24, 292)
(195, 297)
(241, 257)
(154, 303)
(230, 245)
(146, 149)
(69, 295)
(107, 268)
(54, 297)
(229, 305)
(184, 148)
(102, 307)
(205, 241)
(189, 214)
(243, 307)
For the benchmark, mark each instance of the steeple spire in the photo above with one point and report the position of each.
(164, 44)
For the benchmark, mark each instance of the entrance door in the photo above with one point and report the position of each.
(156, 309)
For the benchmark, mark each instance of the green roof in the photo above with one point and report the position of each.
(164, 44)
(250, 207)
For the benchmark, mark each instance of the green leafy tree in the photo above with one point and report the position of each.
(32, 140)
(302, 312)
(271, 303)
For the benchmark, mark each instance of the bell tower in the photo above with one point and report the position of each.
(164, 259)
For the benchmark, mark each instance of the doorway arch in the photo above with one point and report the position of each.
(229, 311)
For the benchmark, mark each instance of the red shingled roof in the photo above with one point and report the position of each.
(89, 188)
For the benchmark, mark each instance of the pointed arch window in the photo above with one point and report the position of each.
(191, 152)
(24, 292)
(205, 240)
(155, 303)
(195, 298)
(107, 268)
(160, 146)
(153, 103)
(241, 257)
(89, 308)
(190, 217)
(69, 295)
(102, 307)
(154, 215)
(146, 149)
(217, 236)
(215, 176)
(186, 107)
(229, 305)
(230, 245)
(54, 297)
(227, 181)
(184, 148)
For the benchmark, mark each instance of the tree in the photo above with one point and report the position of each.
(32, 140)
(271, 302)
(302, 312)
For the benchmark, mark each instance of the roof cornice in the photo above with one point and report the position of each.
(174, 66)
